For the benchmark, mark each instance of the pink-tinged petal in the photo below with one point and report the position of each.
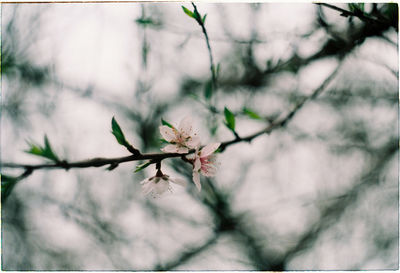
(185, 126)
(196, 180)
(209, 149)
(145, 181)
(197, 164)
(212, 159)
(161, 186)
(193, 142)
(179, 181)
(209, 170)
(182, 150)
(147, 188)
(167, 133)
(171, 148)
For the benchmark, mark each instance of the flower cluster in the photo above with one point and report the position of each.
(183, 140)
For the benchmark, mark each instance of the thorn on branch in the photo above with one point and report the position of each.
(112, 166)
(133, 150)
(64, 164)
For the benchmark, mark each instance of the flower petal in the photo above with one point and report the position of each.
(161, 186)
(145, 181)
(171, 148)
(209, 170)
(179, 181)
(197, 164)
(167, 133)
(185, 126)
(196, 180)
(209, 149)
(182, 150)
(193, 142)
(147, 188)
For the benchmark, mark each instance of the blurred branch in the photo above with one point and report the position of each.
(359, 15)
(387, 39)
(331, 213)
(288, 117)
(188, 254)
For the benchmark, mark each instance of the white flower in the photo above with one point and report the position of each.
(159, 184)
(204, 163)
(181, 139)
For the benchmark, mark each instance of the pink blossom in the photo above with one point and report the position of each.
(182, 139)
(204, 163)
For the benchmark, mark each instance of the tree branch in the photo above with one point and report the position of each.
(281, 123)
(212, 66)
(189, 254)
(359, 15)
(94, 162)
(113, 162)
(332, 213)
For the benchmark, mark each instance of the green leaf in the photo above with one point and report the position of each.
(352, 6)
(356, 7)
(163, 141)
(119, 135)
(147, 22)
(163, 122)
(117, 132)
(218, 70)
(204, 18)
(208, 90)
(188, 12)
(7, 185)
(46, 151)
(35, 150)
(142, 166)
(251, 113)
(229, 119)
(143, 21)
(213, 129)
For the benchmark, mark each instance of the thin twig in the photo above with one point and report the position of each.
(94, 162)
(359, 15)
(212, 66)
(334, 211)
(188, 254)
(287, 118)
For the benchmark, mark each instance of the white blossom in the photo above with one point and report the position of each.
(159, 184)
(182, 139)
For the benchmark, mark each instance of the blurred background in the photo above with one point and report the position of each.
(320, 193)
